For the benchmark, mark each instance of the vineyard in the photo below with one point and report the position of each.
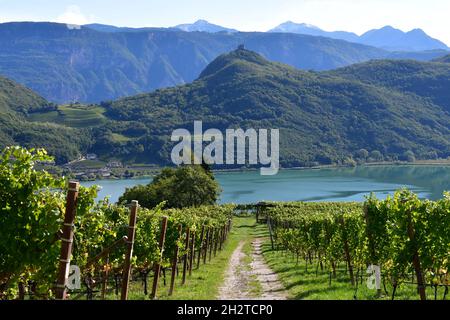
(48, 225)
(54, 233)
(407, 238)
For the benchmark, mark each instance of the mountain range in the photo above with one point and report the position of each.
(309, 29)
(198, 26)
(65, 63)
(387, 38)
(391, 108)
(203, 26)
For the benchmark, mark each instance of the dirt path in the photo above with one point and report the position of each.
(272, 289)
(252, 280)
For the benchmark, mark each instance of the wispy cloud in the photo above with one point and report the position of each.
(73, 15)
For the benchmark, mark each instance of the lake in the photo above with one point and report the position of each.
(339, 184)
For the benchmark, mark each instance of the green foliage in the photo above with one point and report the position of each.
(186, 186)
(387, 108)
(17, 105)
(32, 205)
(444, 59)
(74, 115)
(409, 156)
(16, 98)
(387, 233)
(409, 225)
(31, 213)
(331, 115)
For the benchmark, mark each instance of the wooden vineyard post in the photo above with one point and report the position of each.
(185, 257)
(222, 232)
(201, 246)
(211, 242)
(257, 212)
(208, 235)
(129, 254)
(21, 287)
(157, 269)
(269, 223)
(227, 229)
(105, 278)
(416, 259)
(216, 240)
(67, 239)
(175, 262)
(191, 253)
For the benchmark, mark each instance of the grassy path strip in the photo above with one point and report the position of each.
(248, 276)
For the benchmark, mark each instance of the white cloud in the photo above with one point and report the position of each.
(73, 15)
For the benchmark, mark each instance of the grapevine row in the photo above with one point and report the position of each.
(33, 231)
(402, 234)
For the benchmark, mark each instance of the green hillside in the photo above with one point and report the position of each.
(16, 98)
(17, 105)
(392, 109)
(445, 59)
(323, 117)
(427, 80)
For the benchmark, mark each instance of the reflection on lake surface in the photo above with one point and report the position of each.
(342, 184)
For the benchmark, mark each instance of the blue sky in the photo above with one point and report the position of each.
(246, 15)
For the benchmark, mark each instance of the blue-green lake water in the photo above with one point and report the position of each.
(341, 184)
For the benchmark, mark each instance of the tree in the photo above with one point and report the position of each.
(362, 154)
(186, 186)
(349, 162)
(376, 155)
(409, 156)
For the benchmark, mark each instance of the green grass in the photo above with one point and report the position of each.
(120, 137)
(306, 284)
(50, 116)
(76, 116)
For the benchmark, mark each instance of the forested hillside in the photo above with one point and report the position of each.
(17, 104)
(323, 117)
(390, 109)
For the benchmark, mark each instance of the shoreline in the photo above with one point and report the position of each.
(420, 163)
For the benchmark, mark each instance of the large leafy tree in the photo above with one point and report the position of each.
(186, 186)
